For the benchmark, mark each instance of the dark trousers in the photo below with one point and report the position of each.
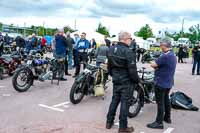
(180, 59)
(196, 63)
(75, 54)
(121, 94)
(66, 66)
(81, 58)
(163, 104)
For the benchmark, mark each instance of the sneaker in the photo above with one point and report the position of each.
(63, 79)
(155, 125)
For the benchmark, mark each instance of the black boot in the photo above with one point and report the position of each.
(168, 120)
(109, 125)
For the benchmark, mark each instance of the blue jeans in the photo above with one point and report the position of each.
(196, 63)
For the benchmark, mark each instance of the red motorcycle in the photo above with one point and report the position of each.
(8, 64)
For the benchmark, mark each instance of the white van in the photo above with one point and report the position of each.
(183, 41)
(152, 41)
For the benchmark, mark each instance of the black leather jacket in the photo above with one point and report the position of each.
(122, 64)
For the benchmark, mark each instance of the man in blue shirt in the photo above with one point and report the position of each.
(164, 67)
(82, 49)
(75, 52)
(61, 45)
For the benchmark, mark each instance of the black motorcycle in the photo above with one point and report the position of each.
(143, 92)
(150, 56)
(86, 81)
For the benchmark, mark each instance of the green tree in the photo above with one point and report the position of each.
(103, 30)
(145, 32)
(1, 25)
(68, 29)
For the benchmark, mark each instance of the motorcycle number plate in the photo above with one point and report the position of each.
(29, 62)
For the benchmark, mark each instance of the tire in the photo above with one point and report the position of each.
(1, 72)
(136, 111)
(73, 91)
(27, 85)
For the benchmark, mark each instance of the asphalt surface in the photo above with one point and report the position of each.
(46, 108)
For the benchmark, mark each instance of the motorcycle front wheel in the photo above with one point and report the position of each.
(22, 80)
(76, 93)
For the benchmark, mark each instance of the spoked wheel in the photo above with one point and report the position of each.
(76, 93)
(135, 104)
(22, 80)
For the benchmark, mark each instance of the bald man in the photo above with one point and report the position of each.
(122, 68)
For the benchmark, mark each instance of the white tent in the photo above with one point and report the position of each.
(90, 35)
(141, 42)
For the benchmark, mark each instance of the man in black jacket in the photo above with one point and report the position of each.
(122, 68)
(196, 56)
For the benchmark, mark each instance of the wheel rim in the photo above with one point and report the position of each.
(22, 79)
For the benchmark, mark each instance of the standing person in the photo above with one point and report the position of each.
(185, 54)
(122, 68)
(1, 43)
(34, 41)
(196, 57)
(101, 53)
(180, 54)
(71, 43)
(108, 42)
(7, 39)
(43, 43)
(75, 52)
(60, 49)
(82, 48)
(93, 44)
(164, 67)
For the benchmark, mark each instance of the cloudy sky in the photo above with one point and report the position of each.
(117, 15)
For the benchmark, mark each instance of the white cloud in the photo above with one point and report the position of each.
(117, 15)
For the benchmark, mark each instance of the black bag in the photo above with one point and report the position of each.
(179, 100)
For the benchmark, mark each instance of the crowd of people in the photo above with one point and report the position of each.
(121, 58)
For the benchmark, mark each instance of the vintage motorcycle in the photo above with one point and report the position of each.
(86, 82)
(9, 63)
(143, 92)
(35, 68)
(150, 56)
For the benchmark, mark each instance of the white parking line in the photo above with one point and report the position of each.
(6, 95)
(2, 86)
(169, 130)
(52, 108)
(61, 104)
(116, 124)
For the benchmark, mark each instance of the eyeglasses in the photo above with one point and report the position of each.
(129, 38)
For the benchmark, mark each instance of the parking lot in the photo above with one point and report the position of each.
(46, 108)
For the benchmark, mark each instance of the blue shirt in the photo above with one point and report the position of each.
(61, 45)
(83, 44)
(164, 74)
